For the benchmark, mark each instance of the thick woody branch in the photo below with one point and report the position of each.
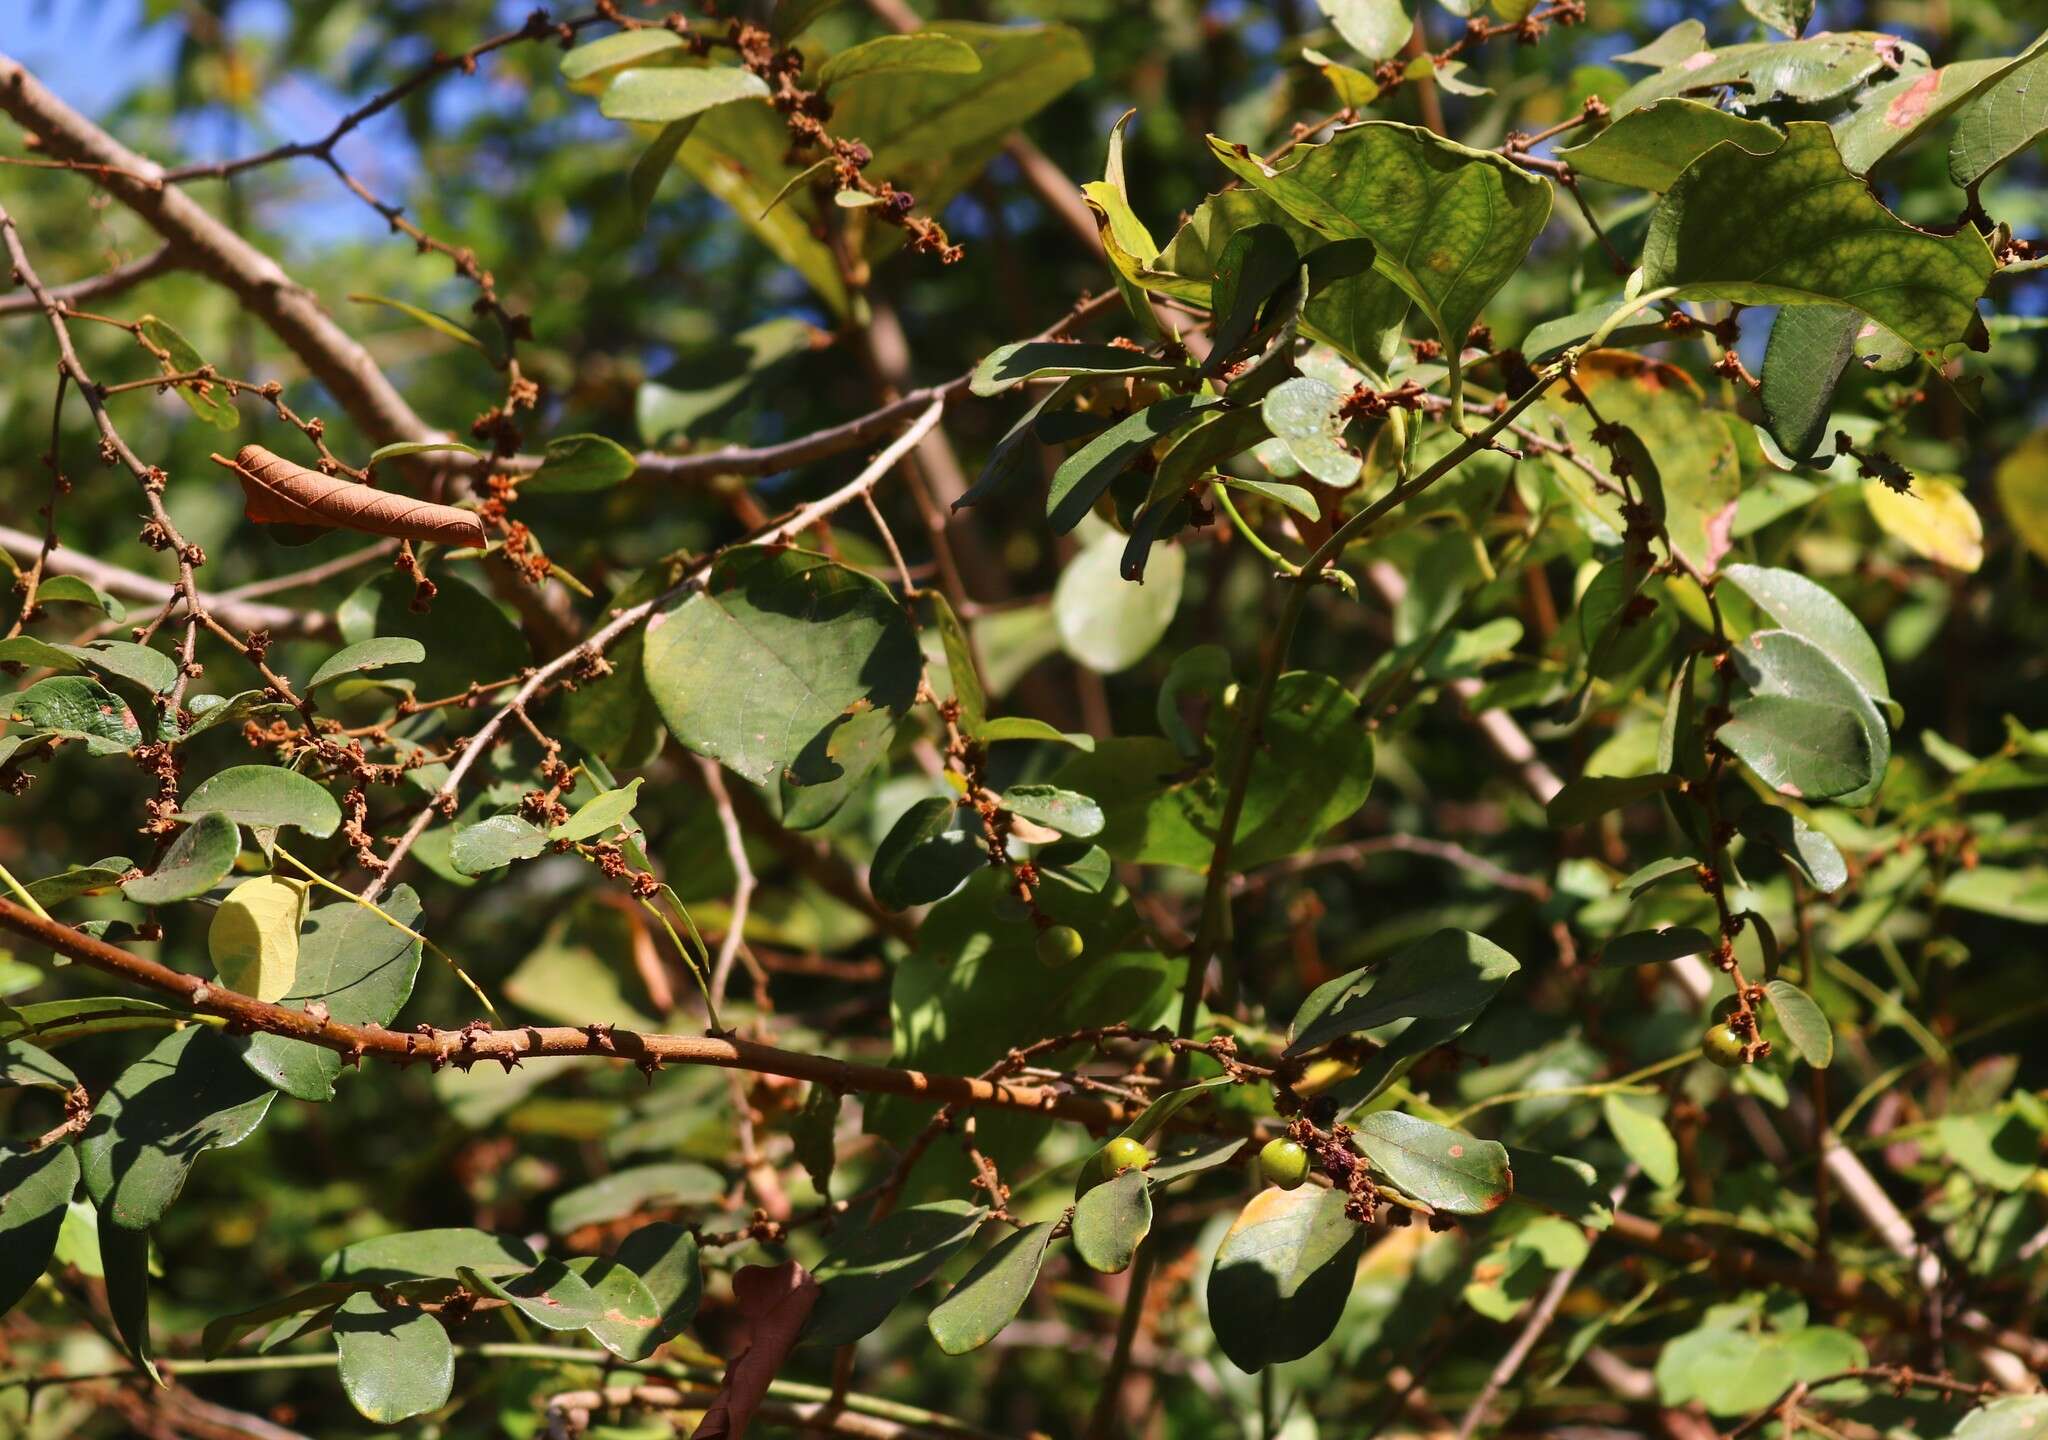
(209, 246)
(466, 1046)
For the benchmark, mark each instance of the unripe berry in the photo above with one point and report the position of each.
(1119, 1155)
(1722, 1046)
(1284, 1163)
(1059, 945)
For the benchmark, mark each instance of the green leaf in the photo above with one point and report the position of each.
(1058, 809)
(1805, 1026)
(664, 1256)
(870, 1268)
(1643, 1137)
(153, 670)
(1795, 227)
(792, 17)
(1553, 337)
(1282, 1274)
(1810, 611)
(97, 878)
(785, 663)
(396, 1361)
(627, 1313)
(1591, 796)
(24, 1064)
(814, 1135)
(1823, 68)
(1111, 1221)
(924, 857)
(1562, 1184)
(71, 706)
(1013, 365)
(626, 1192)
(35, 1188)
(254, 938)
(1790, 16)
(1810, 346)
(1306, 416)
(599, 813)
(989, 1296)
(189, 1094)
(200, 858)
(77, 590)
(2012, 1417)
(1445, 1169)
(2003, 121)
(1084, 475)
(1449, 224)
(494, 843)
(661, 95)
(1648, 148)
(1106, 621)
(265, 795)
(428, 1255)
(2011, 894)
(1256, 293)
(439, 324)
(124, 1262)
(648, 171)
(926, 51)
(422, 447)
(1886, 116)
(1806, 727)
(578, 464)
(213, 406)
(592, 63)
(1153, 1118)
(1453, 974)
(1654, 947)
(466, 636)
(372, 654)
(357, 966)
(1311, 770)
(1376, 29)
(962, 677)
(551, 1295)
(27, 650)
(1737, 1371)
(1023, 727)
(1815, 856)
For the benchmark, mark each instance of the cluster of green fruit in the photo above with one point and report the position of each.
(1283, 1162)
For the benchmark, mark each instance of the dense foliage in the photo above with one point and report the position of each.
(790, 725)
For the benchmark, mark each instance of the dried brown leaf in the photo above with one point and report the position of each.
(277, 492)
(774, 1300)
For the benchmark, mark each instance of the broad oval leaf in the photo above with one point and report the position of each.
(665, 1258)
(551, 1295)
(200, 858)
(1107, 622)
(372, 654)
(466, 636)
(1307, 416)
(494, 843)
(1058, 809)
(266, 795)
(599, 813)
(627, 1314)
(396, 1360)
(1445, 1169)
(1452, 974)
(925, 856)
(627, 1192)
(1012, 365)
(428, 1255)
(1654, 947)
(784, 662)
(1649, 148)
(1794, 227)
(35, 1188)
(189, 1094)
(1643, 1137)
(254, 937)
(1112, 1220)
(2003, 121)
(870, 1268)
(576, 464)
(989, 1296)
(924, 51)
(1282, 1274)
(1806, 727)
(1812, 612)
(1935, 519)
(1804, 1024)
(662, 94)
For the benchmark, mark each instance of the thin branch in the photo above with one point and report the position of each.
(111, 282)
(743, 877)
(799, 520)
(1446, 850)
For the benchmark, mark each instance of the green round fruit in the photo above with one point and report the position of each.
(1124, 1153)
(1285, 1164)
(1059, 945)
(1722, 1046)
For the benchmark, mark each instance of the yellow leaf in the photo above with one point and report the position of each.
(254, 938)
(1934, 519)
(2022, 483)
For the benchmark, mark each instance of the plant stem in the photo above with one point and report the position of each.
(35, 906)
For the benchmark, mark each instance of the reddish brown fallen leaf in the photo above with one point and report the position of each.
(774, 1300)
(277, 492)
